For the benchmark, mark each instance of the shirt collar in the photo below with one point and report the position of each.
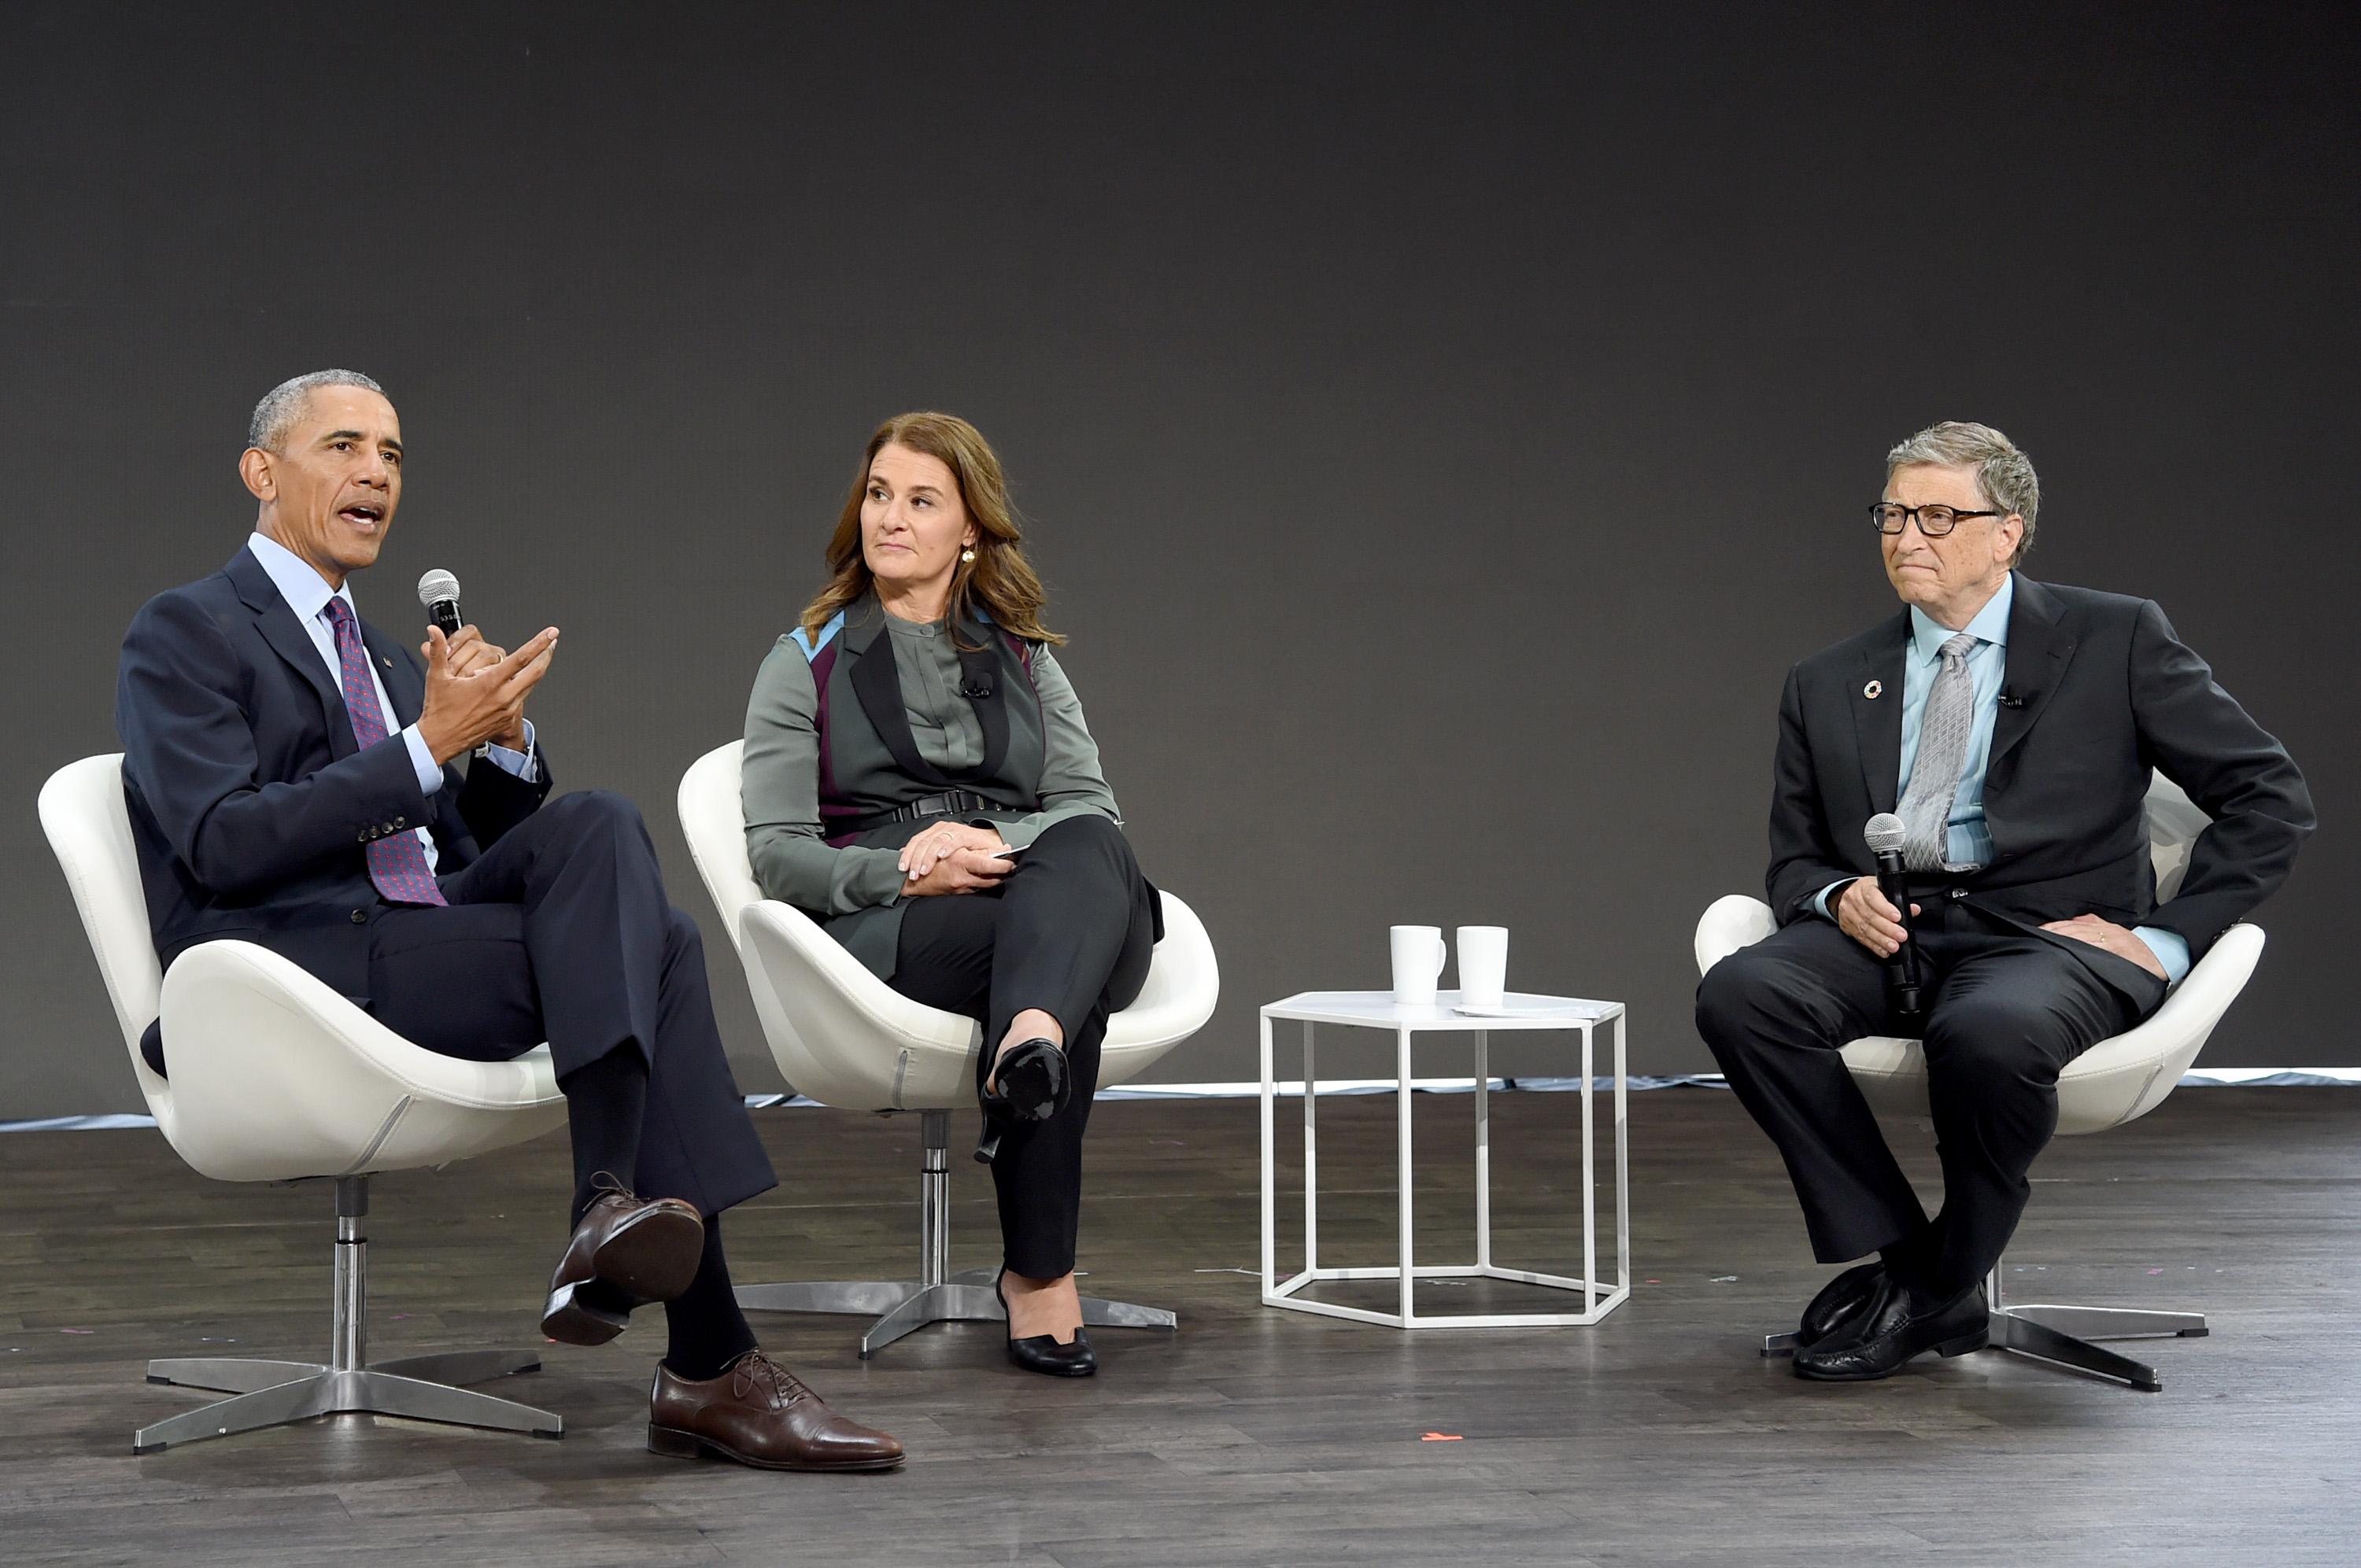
(306, 592)
(1928, 635)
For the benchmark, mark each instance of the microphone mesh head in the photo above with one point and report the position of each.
(435, 587)
(1883, 832)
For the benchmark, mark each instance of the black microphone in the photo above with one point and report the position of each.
(1884, 835)
(2009, 699)
(978, 686)
(438, 590)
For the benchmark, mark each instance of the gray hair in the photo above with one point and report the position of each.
(282, 405)
(2004, 474)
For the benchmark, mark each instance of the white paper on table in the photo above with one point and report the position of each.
(1573, 1007)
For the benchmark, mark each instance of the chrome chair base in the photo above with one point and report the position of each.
(2061, 1336)
(273, 1393)
(939, 1296)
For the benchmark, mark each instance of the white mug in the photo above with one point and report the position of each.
(1419, 954)
(1483, 964)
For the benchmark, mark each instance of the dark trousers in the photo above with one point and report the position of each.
(1071, 931)
(561, 931)
(2009, 1008)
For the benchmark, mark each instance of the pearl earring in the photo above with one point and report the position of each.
(967, 554)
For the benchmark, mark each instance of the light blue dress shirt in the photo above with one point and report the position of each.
(307, 594)
(1967, 840)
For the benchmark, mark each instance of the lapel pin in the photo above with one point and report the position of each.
(387, 662)
(1874, 690)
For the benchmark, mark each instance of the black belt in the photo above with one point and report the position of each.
(952, 803)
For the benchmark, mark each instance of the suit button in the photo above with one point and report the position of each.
(364, 837)
(360, 917)
(401, 822)
(384, 827)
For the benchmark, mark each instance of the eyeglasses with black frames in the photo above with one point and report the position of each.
(1934, 521)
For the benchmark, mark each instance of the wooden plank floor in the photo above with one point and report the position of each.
(1252, 1436)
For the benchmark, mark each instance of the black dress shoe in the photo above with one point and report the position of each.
(1030, 1083)
(1840, 1298)
(1880, 1340)
(1042, 1353)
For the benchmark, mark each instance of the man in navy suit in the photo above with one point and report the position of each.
(291, 777)
(2012, 725)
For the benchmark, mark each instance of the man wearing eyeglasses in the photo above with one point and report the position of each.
(2011, 725)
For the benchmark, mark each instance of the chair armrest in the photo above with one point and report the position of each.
(1729, 923)
(838, 1033)
(2129, 1075)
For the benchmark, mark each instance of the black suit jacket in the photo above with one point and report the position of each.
(2098, 691)
(252, 804)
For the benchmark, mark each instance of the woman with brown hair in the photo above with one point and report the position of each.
(918, 777)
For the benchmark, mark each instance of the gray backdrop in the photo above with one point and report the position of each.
(1441, 426)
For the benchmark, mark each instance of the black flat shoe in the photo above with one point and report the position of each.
(1882, 1338)
(1042, 1353)
(1840, 1298)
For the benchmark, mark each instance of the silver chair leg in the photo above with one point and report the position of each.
(2023, 1336)
(862, 1298)
(229, 1375)
(381, 1393)
(947, 1302)
(296, 1401)
(459, 1365)
(2114, 1322)
(1781, 1344)
(273, 1393)
(1104, 1314)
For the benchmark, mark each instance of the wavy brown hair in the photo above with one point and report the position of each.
(1000, 580)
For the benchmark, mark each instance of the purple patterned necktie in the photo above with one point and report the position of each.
(397, 863)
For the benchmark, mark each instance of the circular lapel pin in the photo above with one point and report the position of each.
(1874, 690)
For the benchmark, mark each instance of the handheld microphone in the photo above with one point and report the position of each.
(438, 590)
(1884, 835)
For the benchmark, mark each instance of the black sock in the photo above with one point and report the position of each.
(1910, 1263)
(606, 1101)
(708, 1331)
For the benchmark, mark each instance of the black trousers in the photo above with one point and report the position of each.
(561, 931)
(2009, 1008)
(1071, 931)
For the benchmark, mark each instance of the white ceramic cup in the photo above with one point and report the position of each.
(1483, 964)
(1419, 956)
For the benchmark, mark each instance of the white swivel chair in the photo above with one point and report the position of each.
(846, 1038)
(2108, 1085)
(277, 1077)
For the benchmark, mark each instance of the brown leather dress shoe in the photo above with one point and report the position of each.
(641, 1252)
(759, 1413)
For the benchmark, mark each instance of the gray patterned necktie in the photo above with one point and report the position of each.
(1943, 731)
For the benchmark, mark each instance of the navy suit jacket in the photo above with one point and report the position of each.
(252, 804)
(2099, 690)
